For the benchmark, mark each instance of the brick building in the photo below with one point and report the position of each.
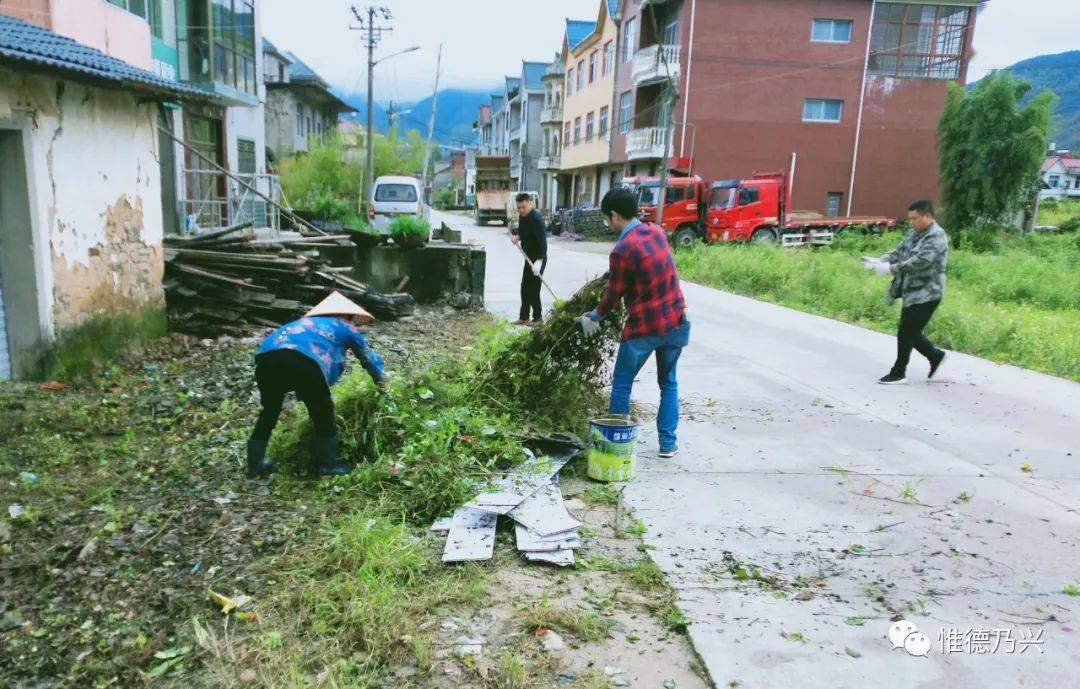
(853, 88)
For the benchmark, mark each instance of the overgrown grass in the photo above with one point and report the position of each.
(586, 625)
(102, 340)
(1018, 305)
(1057, 213)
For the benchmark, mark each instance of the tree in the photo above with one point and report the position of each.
(990, 151)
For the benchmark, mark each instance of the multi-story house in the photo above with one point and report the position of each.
(300, 109)
(526, 133)
(551, 121)
(1061, 176)
(847, 91)
(588, 59)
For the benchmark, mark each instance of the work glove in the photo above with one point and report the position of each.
(588, 325)
(515, 238)
(536, 266)
(882, 268)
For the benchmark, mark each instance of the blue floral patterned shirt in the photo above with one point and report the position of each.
(325, 340)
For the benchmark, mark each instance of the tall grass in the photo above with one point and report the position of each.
(1018, 305)
(1054, 212)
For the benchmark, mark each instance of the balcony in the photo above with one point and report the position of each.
(548, 162)
(551, 114)
(647, 142)
(649, 64)
(515, 133)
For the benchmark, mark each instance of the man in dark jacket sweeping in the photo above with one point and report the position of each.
(531, 236)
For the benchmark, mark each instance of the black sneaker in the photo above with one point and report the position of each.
(936, 364)
(893, 379)
(669, 453)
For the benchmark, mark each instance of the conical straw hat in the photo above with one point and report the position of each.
(337, 304)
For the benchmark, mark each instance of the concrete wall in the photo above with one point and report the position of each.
(34, 11)
(105, 26)
(94, 198)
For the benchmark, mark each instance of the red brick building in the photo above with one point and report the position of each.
(853, 88)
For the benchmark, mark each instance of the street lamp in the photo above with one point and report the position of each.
(400, 52)
(369, 171)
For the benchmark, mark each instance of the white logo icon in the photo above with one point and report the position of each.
(905, 635)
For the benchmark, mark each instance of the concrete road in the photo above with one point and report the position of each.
(809, 507)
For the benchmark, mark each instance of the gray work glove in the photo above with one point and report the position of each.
(536, 266)
(588, 325)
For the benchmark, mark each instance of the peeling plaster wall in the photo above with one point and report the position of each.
(95, 196)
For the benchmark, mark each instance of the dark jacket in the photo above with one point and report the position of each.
(918, 266)
(533, 235)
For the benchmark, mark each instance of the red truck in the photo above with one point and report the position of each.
(739, 210)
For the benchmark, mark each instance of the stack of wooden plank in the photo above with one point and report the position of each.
(225, 281)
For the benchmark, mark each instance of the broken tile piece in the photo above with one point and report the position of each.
(510, 490)
(562, 558)
(544, 512)
(531, 542)
(442, 525)
(471, 537)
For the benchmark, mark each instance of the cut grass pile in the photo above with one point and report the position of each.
(1017, 305)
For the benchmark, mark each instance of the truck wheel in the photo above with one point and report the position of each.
(684, 237)
(764, 236)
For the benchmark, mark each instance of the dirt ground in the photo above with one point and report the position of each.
(123, 500)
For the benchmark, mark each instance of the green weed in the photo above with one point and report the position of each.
(584, 624)
(601, 494)
(94, 345)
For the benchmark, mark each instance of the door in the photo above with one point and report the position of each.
(750, 211)
(5, 356)
(167, 157)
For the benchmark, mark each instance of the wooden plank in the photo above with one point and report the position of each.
(544, 513)
(216, 234)
(217, 277)
(471, 537)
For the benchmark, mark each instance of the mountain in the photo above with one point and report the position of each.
(1060, 74)
(453, 121)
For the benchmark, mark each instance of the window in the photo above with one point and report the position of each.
(604, 113)
(626, 101)
(233, 41)
(590, 126)
(674, 195)
(567, 141)
(577, 130)
(629, 38)
(245, 156)
(592, 65)
(831, 31)
(395, 193)
(920, 41)
(832, 203)
(671, 31)
(580, 75)
(748, 196)
(300, 121)
(815, 110)
(570, 81)
(609, 58)
(134, 6)
(1054, 181)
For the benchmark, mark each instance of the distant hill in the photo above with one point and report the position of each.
(453, 121)
(1060, 74)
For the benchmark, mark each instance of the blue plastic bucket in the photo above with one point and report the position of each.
(612, 449)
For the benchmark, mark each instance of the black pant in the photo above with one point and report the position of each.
(530, 292)
(283, 371)
(910, 335)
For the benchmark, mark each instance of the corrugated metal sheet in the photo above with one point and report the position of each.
(5, 358)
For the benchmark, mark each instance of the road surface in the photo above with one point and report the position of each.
(809, 507)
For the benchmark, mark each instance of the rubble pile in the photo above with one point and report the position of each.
(221, 281)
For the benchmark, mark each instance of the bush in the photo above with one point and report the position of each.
(102, 340)
(320, 182)
(444, 198)
(408, 230)
(1070, 225)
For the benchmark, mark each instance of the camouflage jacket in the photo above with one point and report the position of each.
(918, 266)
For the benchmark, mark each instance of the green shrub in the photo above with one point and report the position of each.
(1070, 225)
(410, 226)
(320, 182)
(95, 344)
(444, 198)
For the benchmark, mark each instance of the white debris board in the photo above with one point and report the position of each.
(511, 490)
(531, 542)
(562, 558)
(544, 513)
(442, 525)
(471, 537)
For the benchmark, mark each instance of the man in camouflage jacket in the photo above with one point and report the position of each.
(918, 269)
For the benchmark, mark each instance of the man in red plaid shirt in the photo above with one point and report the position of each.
(642, 275)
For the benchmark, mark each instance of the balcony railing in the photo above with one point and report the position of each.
(647, 142)
(656, 62)
(549, 162)
(515, 133)
(551, 114)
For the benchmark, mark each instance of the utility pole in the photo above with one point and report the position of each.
(431, 124)
(366, 19)
(666, 122)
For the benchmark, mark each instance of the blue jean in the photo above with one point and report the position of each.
(632, 356)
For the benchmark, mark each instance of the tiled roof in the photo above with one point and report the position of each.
(299, 71)
(577, 31)
(32, 46)
(1069, 162)
(532, 72)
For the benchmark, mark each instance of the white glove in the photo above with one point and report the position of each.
(536, 266)
(882, 268)
(588, 325)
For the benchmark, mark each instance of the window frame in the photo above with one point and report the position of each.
(590, 126)
(567, 141)
(824, 102)
(626, 99)
(580, 75)
(570, 81)
(629, 36)
(577, 130)
(608, 58)
(594, 60)
(833, 23)
(604, 121)
(944, 36)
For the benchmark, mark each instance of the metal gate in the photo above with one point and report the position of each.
(5, 357)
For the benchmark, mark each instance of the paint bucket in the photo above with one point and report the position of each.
(612, 449)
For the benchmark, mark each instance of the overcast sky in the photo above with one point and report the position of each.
(484, 39)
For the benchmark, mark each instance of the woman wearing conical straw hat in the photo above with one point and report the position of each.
(307, 357)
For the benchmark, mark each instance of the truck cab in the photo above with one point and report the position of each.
(746, 209)
(683, 206)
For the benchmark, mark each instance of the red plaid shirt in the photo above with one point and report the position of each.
(643, 276)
